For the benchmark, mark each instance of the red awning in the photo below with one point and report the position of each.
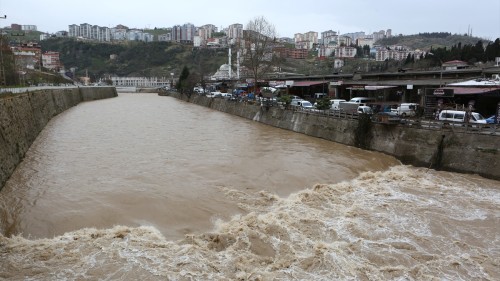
(470, 90)
(307, 83)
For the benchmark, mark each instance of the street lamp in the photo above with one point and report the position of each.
(172, 85)
(440, 69)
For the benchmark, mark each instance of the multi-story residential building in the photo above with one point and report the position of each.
(44, 36)
(205, 31)
(306, 40)
(103, 34)
(365, 41)
(85, 30)
(167, 37)
(355, 35)
(15, 27)
(139, 35)
(119, 33)
(73, 30)
(184, 33)
(326, 51)
(327, 37)
(176, 33)
(379, 35)
(50, 60)
(297, 53)
(385, 54)
(345, 52)
(29, 27)
(235, 33)
(27, 56)
(344, 40)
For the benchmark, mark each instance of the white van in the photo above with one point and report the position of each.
(459, 116)
(363, 100)
(335, 103)
(406, 109)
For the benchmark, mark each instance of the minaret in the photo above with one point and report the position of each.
(229, 56)
(238, 65)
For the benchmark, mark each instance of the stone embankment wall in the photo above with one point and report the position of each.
(439, 149)
(23, 116)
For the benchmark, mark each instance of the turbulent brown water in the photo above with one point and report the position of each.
(143, 187)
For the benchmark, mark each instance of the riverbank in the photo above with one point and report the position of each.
(24, 115)
(443, 149)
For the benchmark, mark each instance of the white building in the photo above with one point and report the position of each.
(140, 81)
(345, 52)
(306, 40)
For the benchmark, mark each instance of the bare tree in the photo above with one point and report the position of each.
(258, 39)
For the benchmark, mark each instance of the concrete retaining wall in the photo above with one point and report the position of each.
(23, 116)
(439, 149)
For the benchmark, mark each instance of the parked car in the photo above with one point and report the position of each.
(214, 95)
(365, 109)
(301, 103)
(198, 90)
(295, 101)
(490, 120)
(305, 104)
(458, 116)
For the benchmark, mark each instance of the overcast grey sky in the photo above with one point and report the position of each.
(288, 16)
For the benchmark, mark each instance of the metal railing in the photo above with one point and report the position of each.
(413, 122)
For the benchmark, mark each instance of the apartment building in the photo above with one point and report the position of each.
(365, 41)
(205, 32)
(235, 33)
(329, 37)
(345, 52)
(297, 53)
(50, 60)
(385, 54)
(27, 56)
(184, 33)
(306, 40)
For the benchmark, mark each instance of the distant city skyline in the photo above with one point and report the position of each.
(481, 19)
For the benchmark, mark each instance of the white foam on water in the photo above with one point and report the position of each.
(402, 224)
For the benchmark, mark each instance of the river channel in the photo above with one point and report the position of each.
(148, 187)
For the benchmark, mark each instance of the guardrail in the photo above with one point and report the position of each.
(490, 129)
(35, 88)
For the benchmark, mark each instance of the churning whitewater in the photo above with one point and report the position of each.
(402, 224)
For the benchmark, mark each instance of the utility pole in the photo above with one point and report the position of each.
(3, 81)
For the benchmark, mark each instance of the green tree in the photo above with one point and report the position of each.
(286, 99)
(182, 85)
(323, 104)
(492, 50)
(7, 62)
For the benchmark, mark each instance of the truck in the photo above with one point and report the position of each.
(349, 107)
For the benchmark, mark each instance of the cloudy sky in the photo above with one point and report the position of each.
(288, 16)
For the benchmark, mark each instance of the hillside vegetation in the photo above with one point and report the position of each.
(426, 41)
(154, 59)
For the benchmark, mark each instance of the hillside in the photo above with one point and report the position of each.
(154, 59)
(426, 41)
